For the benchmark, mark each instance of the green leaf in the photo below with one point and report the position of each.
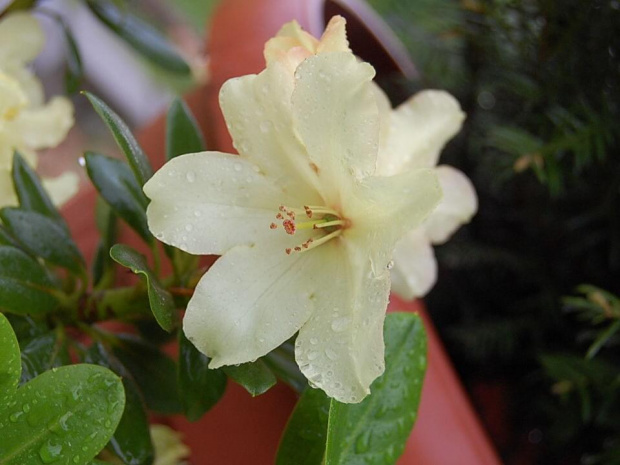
(255, 377)
(141, 36)
(117, 185)
(10, 364)
(30, 192)
(375, 430)
(75, 71)
(131, 441)
(41, 353)
(138, 160)
(160, 299)
(44, 238)
(25, 287)
(281, 361)
(103, 265)
(182, 131)
(303, 442)
(200, 388)
(65, 415)
(6, 238)
(154, 373)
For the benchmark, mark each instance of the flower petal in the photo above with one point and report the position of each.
(340, 349)
(458, 205)
(206, 203)
(45, 126)
(257, 109)
(290, 36)
(415, 269)
(334, 39)
(420, 128)
(21, 38)
(387, 207)
(61, 188)
(335, 113)
(252, 300)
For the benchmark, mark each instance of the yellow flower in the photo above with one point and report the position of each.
(28, 124)
(305, 229)
(412, 137)
(169, 449)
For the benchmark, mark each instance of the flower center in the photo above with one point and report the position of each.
(326, 221)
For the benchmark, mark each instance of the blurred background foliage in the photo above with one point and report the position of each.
(540, 83)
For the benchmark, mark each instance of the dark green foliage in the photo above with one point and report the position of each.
(540, 83)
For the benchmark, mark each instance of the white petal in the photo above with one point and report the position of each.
(12, 98)
(252, 300)
(336, 116)
(61, 188)
(420, 128)
(206, 203)
(257, 109)
(334, 39)
(45, 126)
(21, 38)
(415, 269)
(290, 36)
(458, 205)
(387, 207)
(340, 349)
(7, 193)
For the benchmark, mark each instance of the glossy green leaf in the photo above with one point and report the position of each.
(141, 36)
(44, 238)
(282, 363)
(160, 299)
(200, 388)
(66, 415)
(74, 73)
(41, 353)
(10, 364)
(25, 287)
(30, 191)
(117, 185)
(6, 238)
(182, 131)
(375, 430)
(154, 372)
(303, 442)
(255, 377)
(136, 157)
(131, 441)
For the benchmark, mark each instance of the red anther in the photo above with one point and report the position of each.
(291, 215)
(282, 208)
(298, 249)
(308, 211)
(288, 251)
(273, 226)
(279, 216)
(289, 227)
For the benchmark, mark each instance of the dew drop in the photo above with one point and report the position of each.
(340, 324)
(237, 166)
(362, 444)
(15, 416)
(390, 264)
(190, 176)
(265, 126)
(331, 354)
(50, 452)
(197, 213)
(188, 227)
(312, 355)
(313, 340)
(82, 162)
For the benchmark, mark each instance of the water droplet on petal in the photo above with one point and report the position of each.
(312, 355)
(190, 176)
(340, 324)
(313, 340)
(331, 354)
(237, 166)
(390, 264)
(188, 227)
(266, 126)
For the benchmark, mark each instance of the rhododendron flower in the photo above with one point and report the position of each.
(28, 124)
(412, 137)
(305, 228)
(168, 445)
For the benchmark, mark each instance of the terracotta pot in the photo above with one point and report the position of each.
(245, 430)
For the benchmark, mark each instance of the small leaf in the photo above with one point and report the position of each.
(303, 442)
(62, 414)
(44, 238)
(255, 377)
(116, 184)
(182, 131)
(141, 36)
(154, 373)
(138, 160)
(75, 71)
(131, 441)
(375, 430)
(160, 299)
(10, 364)
(42, 353)
(30, 191)
(25, 287)
(200, 388)
(6, 238)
